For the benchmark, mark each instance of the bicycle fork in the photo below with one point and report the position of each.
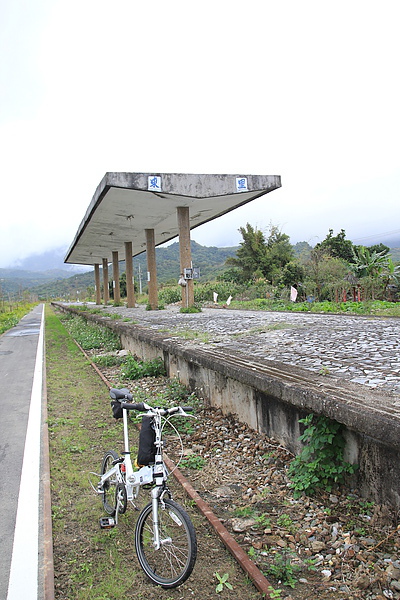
(156, 500)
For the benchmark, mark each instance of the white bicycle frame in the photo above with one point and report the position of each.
(133, 478)
(156, 473)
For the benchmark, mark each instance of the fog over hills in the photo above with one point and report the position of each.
(52, 260)
(37, 269)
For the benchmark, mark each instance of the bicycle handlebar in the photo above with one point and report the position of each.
(133, 405)
(141, 406)
(124, 394)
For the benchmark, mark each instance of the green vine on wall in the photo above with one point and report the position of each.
(321, 464)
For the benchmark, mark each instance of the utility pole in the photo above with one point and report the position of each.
(140, 280)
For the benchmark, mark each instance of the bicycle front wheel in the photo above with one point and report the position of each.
(173, 562)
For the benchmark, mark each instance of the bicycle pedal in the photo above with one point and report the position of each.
(107, 522)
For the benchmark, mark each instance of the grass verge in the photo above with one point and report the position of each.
(11, 317)
(89, 562)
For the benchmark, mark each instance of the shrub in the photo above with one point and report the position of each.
(136, 369)
(91, 336)
(320, 464)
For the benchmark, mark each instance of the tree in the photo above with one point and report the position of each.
(391, 277)
(337, 246)
(233, 275)
(258, 257)
(279, 253)
(325, 275)
(370, 268)
(379, 248)
(369, 264)
(292, 273)
(251, 252)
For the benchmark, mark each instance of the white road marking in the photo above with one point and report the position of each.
(23, 582)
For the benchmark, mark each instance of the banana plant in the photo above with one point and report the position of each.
(369, 264)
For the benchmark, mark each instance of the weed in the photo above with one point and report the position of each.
(320, 464)
(273, 593)
(263, 329)
(73, 448)
(268, 455)
(159, 307)
(190, 309)
(53, 423)
(177, 392)
(324, 371)
(222, 581)
(90, 336)
(284, 521)
(366, 506)
(190, 334)
(243, 511)
(264, 521)
(108, 360)
(350, 525)
(283, 569)
(309, 564)
(56, 512)
(136, 369)
(193, 461)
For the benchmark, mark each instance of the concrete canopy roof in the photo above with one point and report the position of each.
(125, 204)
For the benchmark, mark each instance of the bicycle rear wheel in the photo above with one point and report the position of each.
(109, 487)
(172, 564)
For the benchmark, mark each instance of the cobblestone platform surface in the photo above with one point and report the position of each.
(363, 350)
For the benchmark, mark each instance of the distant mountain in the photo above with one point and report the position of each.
(210, 261)
(395, 252)
(13, 281)
(35, 270)
(46, 261)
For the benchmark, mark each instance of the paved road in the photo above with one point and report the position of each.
(21, 395)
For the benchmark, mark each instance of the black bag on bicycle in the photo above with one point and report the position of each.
(116, 409)
(147, 437)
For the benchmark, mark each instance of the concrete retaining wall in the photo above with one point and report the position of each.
(272, 397)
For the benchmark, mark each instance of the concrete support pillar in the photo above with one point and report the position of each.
(97, 283)
(130, 290)
(117, 293)
(151, 268)
(185, 254)
(106, 295)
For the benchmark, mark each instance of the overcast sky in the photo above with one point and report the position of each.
(306, 90)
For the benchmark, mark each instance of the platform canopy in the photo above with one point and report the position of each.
(126, 204)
